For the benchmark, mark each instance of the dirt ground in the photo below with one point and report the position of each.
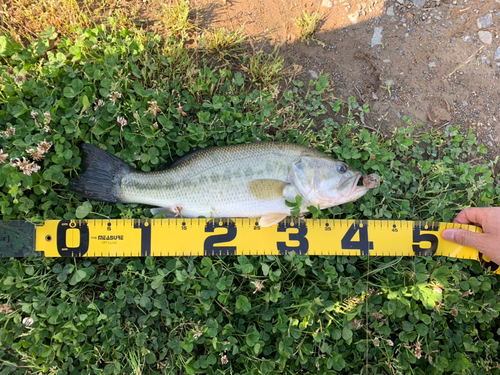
(429, 65)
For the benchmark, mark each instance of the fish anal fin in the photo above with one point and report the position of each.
(266, 190)
(270, 219)
(163, 210)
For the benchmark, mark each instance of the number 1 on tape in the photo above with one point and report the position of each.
(218, 237)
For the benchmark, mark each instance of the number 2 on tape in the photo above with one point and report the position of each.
(208, 246)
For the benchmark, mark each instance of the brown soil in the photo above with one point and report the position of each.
(423, 70)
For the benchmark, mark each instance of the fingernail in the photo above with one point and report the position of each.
(448, 234)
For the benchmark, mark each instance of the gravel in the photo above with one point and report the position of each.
(313, 74)
(419, 3)
(497, 54)
(485, 21)
(467, 39)
(377, 37)
(485, 36)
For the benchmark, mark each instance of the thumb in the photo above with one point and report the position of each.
(465, 237)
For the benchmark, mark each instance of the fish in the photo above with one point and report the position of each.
(251, 180)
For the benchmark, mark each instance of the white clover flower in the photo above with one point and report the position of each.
(19, 78)
(47, 118)
(100, 103)
(44, 146)
(3, 156)
(25, 166)
(153, 108)
(258, 286)
(114, 96)
(122, 121)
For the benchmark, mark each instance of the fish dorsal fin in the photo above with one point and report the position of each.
(270, 219)
(267, 190)
(174, 160)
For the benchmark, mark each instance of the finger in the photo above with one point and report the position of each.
(471, 215)
(464, 237)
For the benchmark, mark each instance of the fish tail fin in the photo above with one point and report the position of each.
(101, 177)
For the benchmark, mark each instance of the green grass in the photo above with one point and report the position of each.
(175, 19)
(307, 25)
(222, 42)
(189, 315)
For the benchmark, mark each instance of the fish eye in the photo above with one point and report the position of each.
(341, 168)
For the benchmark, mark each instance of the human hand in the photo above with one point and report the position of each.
(487, 242)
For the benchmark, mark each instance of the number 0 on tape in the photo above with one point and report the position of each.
(217, 237)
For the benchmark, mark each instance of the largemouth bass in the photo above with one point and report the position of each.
(248, 180)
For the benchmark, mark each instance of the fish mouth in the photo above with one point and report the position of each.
(353, 187)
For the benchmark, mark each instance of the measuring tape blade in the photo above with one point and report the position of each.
(219, 237)
(17, 239)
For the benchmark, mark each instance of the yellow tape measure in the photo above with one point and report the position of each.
(217, 237)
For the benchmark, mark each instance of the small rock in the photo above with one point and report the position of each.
(313, 74)
(327, 3)
(497, 54)
(401, 1)
(377, 36)
(466, 39)
(390, 11)
(432, 65)
(485, 36)
(464, 103)
(353, 17)
(485, 21)
(485, 60)
(419, 3)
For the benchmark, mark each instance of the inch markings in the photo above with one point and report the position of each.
(221, 237)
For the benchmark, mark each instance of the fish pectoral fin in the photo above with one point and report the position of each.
(270, 219)
(267, 190)
(162, 210)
